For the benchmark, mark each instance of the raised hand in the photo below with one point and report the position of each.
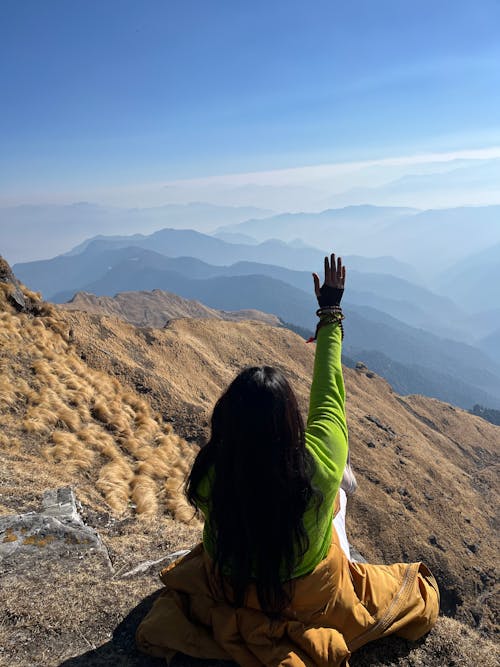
(332, 289)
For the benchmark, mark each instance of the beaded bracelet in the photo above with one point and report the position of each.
(326, 310)
(330, 315)
(331, 320)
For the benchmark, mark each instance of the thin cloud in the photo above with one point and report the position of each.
(322, 171)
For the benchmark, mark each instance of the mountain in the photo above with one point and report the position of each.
(410, 303)
(71, 273)
(188, 243)
(415, 378)
(491, 345)
(91, 401)
(222, 293)
(388, 266)
(287, 226)
(214, 350)
(430, 240)
(384, 264)
(484, 322)
(233, 237)
(368, 329)
(240, 288)
(476, 181)
(345, 223)
(466, 375)
(435, 239)
(475, 279)
(97, 269)
(156, 308)
(32, 232)
(490, 415)
(94, 259)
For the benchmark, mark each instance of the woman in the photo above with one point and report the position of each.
(271, 585)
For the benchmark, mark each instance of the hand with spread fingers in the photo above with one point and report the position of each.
(331, 292)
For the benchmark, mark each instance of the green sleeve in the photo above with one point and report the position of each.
(326, 432)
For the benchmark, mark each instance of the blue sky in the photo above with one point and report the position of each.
(100, 94)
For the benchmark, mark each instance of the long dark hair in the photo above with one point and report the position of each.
(262, 485)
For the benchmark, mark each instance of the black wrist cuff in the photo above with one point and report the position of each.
(330, 296)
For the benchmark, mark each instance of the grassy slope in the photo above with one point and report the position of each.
(64, 422)
(71, 413)
(426, 469)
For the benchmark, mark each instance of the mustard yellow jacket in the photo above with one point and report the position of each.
(335, 609)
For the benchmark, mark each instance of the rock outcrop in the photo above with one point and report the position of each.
(56, 531)
(16, 296)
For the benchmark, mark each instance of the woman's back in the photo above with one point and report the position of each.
(271, 584)
(266, 485)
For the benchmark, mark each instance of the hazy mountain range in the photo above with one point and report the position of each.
(480, 180)
(411, 335)
(431, 241)
(90, 259)
(31, 232)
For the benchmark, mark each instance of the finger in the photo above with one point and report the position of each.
(332, 268)
(316, 284)
(343, 275)
(339, 267)
(327, 271)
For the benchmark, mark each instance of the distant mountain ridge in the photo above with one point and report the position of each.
(480, 179)
(51, 229)
(491, 344)
(344, 224)
(431, 240)
(448, 370)
(475, 280)
(156, 308)
(189, 243)
(415, 378)
(287, 294)
(134, 269)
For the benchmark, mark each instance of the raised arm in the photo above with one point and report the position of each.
(326, 432)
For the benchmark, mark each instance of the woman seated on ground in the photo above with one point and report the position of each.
(271, 584)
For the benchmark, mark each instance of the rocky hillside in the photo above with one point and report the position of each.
(115, 410)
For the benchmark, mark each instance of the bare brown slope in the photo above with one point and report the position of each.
(156, 308)
(182, 368)
(426, 469)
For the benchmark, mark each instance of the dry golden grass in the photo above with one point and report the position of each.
(71, 414)
(450, 644)
(82, 422)
(427, 473)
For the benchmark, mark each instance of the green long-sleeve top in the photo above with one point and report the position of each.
(326, 439)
